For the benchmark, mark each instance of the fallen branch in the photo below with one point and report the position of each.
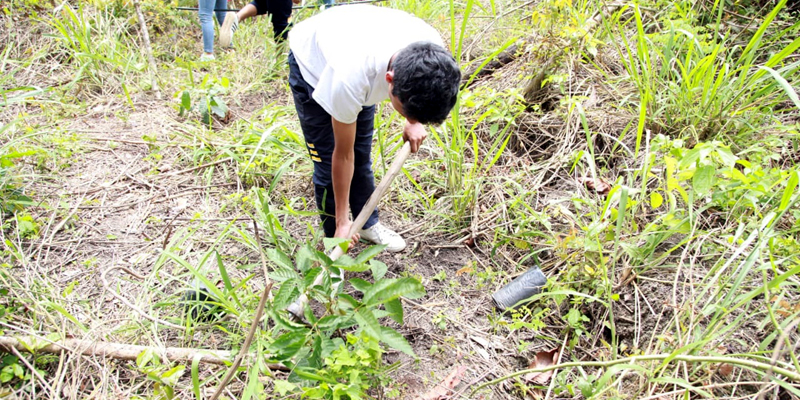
(756, 365)
(122, 351)
(118, 351)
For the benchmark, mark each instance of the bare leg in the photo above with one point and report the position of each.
(246, 12)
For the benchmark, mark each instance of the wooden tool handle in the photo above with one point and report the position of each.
(383, 187)
(297, 307)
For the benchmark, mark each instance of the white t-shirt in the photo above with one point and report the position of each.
(344, 52)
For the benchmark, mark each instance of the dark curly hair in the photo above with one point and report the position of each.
(426, 80)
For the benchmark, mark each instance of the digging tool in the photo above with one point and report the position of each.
(299, 305)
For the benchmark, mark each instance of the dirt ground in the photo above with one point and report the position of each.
(126, 206)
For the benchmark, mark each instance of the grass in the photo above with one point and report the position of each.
(654, 180)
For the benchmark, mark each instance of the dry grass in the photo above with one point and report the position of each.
(118, 182)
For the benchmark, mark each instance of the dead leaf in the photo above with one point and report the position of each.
(598, 185)
(481, 341)
(465, 270)
(725, 369)
(535, 394)
(542, 359)
(442, 390)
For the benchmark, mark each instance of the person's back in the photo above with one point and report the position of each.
(347, 49)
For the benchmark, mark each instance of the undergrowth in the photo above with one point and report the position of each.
(643, 155)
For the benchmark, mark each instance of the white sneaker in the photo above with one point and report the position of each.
(380, 234)
(229, 26)
(206, 57)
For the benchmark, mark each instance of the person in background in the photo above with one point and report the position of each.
(341, 63)
(280, 10)
(205, 10)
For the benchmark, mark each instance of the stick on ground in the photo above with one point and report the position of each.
(148, 49)
(119, 351)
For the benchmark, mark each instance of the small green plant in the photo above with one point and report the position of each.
(350, 370)
(12, 199)
(11, 369)
(325, 365)
(164, 377)
(206, 99)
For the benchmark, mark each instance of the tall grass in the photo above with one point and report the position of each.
(98, 46)
(701, 84)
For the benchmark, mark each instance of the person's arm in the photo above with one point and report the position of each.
(342, 163)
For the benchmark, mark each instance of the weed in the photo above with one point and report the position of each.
(205, 98)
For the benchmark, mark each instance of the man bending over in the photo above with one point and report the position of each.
(341, 63)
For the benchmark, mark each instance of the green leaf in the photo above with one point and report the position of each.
(186, 101)
(703, 179)
(388, 289)
(279, 258)
(726, 156)
(789, 191)
(329, 322)
(395, 340)
(144, 358)
(283, 387)
(656, 200)
(378, 269)
(283, 274)
(304, 258)
(367, 321)
(330, 243)
(223, 271)
(315, 377)
(196, 375)
(286, 294)
(7, 374)
(288, 344)
(311, 275)
(347, 263)
(360, 284)
(368, 253)
(172, 376)
(219, 108)
(347, 299)
(395, 309)
(787, 87)
(65, 313)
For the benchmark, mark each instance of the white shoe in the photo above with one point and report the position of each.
(229, 26)
(206, 57)
(380, 234)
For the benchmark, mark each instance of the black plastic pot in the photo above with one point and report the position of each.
(517, 291)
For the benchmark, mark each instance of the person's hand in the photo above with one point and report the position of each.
(414, 133)
(341, 232)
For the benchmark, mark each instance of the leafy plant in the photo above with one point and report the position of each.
(164, 377)
(313, 348)
(206, 99)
